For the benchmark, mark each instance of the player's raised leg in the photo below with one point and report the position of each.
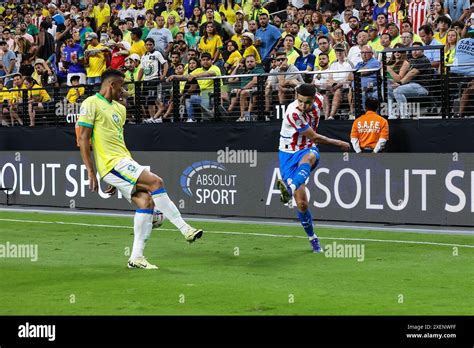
(299, 176)
(154, 184)
(304, 215)
(142, 227)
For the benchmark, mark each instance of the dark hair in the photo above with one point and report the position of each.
(206, 55)
(426, 28)
(417, 43)
(389, 36)
(306, 90)
(111, 73)
(149, 39)
(138, 32)
(74, 78)
(457, 24)
(192, 23)
(323, 54)
(117, 32)
(371, 104)
(234, 44)
(198, 64)
(444, 19)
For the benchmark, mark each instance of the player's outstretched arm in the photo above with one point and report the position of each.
(321, 139)
(85, 134)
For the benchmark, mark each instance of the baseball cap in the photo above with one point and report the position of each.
(239, 11)
(91, 36)
(134, 56)
(141, 17)
(249, 35)
(339, 47)
(39, 61)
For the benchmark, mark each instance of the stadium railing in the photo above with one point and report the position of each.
(433, 105)
(443, 100)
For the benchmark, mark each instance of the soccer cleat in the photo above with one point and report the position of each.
(315, 245)
(140, 262)
(285, 192)
(192, 234)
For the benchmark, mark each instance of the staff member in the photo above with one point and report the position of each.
(369, 131)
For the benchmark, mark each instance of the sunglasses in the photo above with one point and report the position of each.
(280, 59)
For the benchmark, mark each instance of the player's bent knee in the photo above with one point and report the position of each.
(302, 206)
(143, 200)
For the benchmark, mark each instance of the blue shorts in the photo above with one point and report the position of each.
(289, 162)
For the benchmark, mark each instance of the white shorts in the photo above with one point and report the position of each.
(124, 177)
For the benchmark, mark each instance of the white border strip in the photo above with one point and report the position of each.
(244, 233)
(275, 222)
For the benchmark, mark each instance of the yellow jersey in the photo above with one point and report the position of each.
(138, 47)
(72, 95)
(206, 84)
(16, 94)
(41, 93)
(4, 95)
(211, 46)
(107, 120)
(230, 13)
(252, 51)
(97, 62)
(100, 15)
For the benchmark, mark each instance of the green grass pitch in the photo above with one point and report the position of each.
(235, 269)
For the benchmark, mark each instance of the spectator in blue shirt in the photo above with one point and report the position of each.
(426, 35)
(74, 54)
(266, 38)
(368, 79)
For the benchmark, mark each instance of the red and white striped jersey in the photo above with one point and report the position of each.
(295, 122)
(417, 12)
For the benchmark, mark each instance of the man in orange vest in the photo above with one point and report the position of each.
(369, 131)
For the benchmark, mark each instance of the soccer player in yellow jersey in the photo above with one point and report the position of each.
(104, 116)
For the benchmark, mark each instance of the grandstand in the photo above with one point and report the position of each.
(207, 88)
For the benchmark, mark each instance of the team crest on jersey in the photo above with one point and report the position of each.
(116, 118)
(131, 168)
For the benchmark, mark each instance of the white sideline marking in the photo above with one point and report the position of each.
(245, 233)
(249, 221)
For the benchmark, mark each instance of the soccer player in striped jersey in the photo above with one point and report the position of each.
(417, 12)
(299, 154)
(105, 116)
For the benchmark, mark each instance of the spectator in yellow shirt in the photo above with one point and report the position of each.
(95, 58)
(170, 12)
(138, 45)
(249, 48)
(101, 13)
(37, 98)
(4, 97)
(16, 97)
(75, 92)
(211, 43)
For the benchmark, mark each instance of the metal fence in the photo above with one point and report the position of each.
(343, 94)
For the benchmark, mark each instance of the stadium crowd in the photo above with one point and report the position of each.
(69, 44)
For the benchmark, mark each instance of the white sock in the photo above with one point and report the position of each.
(164, 204)
(142, 225)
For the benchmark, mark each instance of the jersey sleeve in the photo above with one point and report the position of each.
(297, 121)
(160, 57)
(87, 114)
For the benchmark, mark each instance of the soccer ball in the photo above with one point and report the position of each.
(158, 218)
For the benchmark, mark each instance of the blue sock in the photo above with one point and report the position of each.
(302, 174)
(307, 222)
